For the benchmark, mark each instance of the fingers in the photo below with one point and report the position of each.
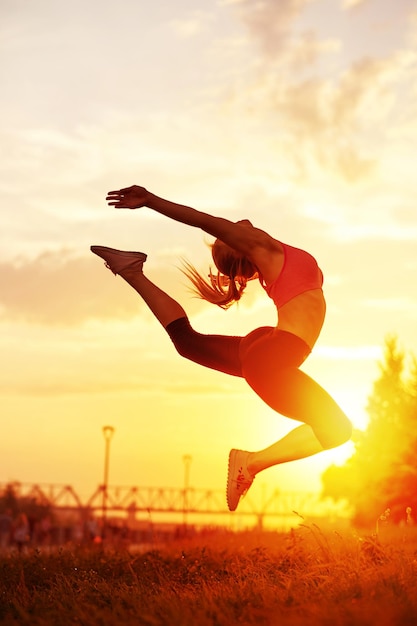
(116, 199)
(123, 191)
(126, 198)
(120, 204)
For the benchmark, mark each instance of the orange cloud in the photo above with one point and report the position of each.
(60, 289)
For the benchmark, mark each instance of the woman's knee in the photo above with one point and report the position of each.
(218, 352)
(334, 434)
(180, 331)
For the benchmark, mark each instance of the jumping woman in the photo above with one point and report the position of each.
(268, 358)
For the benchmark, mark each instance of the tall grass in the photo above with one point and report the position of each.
(307, 576)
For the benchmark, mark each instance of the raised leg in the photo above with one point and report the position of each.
(129, 265)
(217, 352)
(165, 308)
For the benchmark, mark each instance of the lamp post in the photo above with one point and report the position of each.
(187, 458)
(108, 432)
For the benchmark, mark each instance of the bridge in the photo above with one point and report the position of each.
(134, 499)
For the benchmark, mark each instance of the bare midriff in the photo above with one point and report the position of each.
(304, 315)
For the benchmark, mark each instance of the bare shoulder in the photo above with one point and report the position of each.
(255, 237)
(267, 254)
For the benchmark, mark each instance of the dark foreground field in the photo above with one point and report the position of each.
(306, 577)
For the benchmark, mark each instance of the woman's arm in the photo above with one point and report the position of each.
(238, 236)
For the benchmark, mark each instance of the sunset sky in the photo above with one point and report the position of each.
(300, 115)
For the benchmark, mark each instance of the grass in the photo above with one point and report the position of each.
(307, 576)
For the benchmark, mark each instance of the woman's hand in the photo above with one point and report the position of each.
(132, 197)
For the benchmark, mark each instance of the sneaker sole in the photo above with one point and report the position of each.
(231, 470)
(100, 250)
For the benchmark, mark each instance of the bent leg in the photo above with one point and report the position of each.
(270, 366)
(217, 352)
(165, 308)
(294, 394)
(298, 444)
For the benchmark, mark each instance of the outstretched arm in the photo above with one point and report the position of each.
(238, 236)
(135, 197)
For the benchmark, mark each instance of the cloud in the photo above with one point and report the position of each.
(192, 25)
(270, 22)
(349, 353)
(388, 304)
(335, 124)
(306, 50)
(353, 4)
(329, 109)
(59, 289)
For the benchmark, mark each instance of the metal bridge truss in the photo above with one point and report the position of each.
(171, 500)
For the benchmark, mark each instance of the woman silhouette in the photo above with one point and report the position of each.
(268, 358)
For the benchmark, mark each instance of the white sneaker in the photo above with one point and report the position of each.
(238, 478)
(119, 260)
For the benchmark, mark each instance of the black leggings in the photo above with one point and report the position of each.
(269, 360)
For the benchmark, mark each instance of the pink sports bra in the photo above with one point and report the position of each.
(299, 273)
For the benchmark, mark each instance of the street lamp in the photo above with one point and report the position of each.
(187, 458)
(108, 432)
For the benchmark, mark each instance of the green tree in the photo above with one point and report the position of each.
(382, 472)
(401, 489)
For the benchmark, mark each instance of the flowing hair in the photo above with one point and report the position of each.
(226, 286)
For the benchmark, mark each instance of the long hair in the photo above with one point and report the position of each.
(226, 286)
